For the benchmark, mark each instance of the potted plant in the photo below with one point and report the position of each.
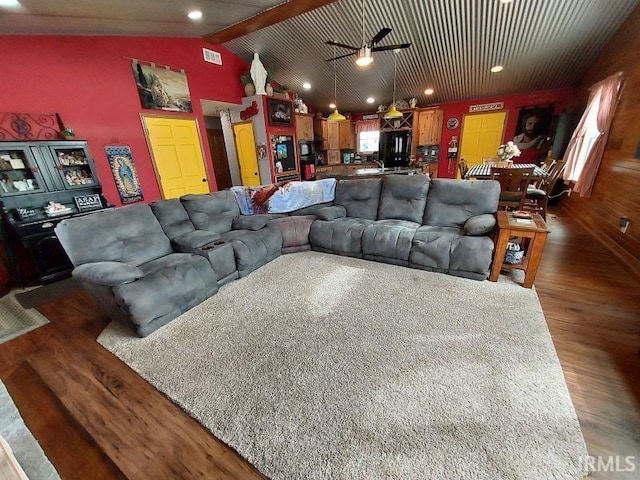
(247, 83)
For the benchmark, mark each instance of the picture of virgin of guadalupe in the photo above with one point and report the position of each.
(126, 177)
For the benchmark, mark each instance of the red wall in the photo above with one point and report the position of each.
(512, 104)
(89, 81)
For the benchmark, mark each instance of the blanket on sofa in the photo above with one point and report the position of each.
(283, 197)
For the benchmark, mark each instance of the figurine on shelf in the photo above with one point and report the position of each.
(258, 74)
(53, 208)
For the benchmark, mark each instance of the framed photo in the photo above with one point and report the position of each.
(534, 127)
(162, 88)
(280, 112)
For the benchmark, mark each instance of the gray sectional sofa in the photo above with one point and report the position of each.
(147, 264)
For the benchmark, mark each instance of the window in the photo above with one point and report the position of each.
(368, 141)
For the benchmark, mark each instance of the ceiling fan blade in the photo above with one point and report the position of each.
(330, 42)
(380, 35)
(390, 47)
(341, 56)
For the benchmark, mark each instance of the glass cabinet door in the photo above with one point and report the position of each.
(19, 172)
(74, 165)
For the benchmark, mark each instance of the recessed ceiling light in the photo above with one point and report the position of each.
(306, 86)
(506, 1)
(332, 105)
(428, 91)
(371, 100)
(497, 68)
(9, 3)
(195, 15)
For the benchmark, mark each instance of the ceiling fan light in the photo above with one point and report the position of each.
(336, 116)
(392, 113)
(363, 57)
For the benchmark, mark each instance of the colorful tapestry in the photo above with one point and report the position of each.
(125, 174)
(162, 88)
(284, 197)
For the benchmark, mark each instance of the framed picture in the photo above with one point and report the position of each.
(534, 127)
(162, 88)
(280, 112)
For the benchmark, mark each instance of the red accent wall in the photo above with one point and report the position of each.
(512, 104)
(89, 81)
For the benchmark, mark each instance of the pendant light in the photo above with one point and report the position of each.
(336, 116)
(393, 111)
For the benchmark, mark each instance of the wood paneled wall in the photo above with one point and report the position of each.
(616, 192)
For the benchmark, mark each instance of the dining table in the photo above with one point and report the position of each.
(482, 171)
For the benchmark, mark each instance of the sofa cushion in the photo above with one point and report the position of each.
(480, 224)
(213, 212)
(172, 285)
(107, 273)
(192, 241)
(294, 230)
(130, 234)
(172, 216)
(342, 236)
(359, 197)
(389, 241)
(431, 248)
(311, 209)
(403, 197)
(331, 213)
(254, 248)
(451, 202)
(250, 222)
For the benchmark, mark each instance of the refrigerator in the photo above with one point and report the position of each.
(395, 148)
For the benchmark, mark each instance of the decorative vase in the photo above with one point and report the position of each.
(269, 89)
(249, 89)
(66, 136)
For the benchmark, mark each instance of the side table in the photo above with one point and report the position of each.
(533, 229)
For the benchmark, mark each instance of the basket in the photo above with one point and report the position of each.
(514, 253)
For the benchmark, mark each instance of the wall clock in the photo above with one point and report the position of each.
(453, 123)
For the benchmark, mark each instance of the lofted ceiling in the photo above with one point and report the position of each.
(542, 44)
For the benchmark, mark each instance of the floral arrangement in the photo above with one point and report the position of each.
(507, 151)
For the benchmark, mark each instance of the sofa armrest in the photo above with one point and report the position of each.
(107, 274)
(331, 213)
(192, 241)
(250, 222)
(480, 224)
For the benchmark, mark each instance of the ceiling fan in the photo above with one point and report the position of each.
(363, 53)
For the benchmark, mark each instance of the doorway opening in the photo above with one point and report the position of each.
(217, 121)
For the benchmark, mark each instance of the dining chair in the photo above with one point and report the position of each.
(462, 167)
(537, 199)
(513, 186)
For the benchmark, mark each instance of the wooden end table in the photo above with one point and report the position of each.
(534, 230)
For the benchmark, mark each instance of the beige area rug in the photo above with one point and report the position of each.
(319, 366)
(15, 320)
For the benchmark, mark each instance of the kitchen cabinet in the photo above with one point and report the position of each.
(333, 136)
(32, 174)
(429, 126)
(304, 127)
(346, 135)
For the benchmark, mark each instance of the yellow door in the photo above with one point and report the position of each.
(177, 155)
(481, 136)
(247, 158)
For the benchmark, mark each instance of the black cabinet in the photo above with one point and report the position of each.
(33, 174)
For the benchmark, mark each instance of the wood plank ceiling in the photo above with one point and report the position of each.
(542, 44)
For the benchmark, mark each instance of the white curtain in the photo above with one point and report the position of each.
(586, 147)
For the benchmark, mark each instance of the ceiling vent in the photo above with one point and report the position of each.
(211, 56)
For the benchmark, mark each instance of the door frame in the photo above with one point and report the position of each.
(144, 115)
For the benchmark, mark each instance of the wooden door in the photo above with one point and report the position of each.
(219, 158)
(177, 155)
(247, 157)
(304, 127)
(481, 136)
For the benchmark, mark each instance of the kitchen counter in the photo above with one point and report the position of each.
(368, 172)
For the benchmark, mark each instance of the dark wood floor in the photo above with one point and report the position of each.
(97, 419)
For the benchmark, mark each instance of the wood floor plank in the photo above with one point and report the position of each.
(590, 299)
